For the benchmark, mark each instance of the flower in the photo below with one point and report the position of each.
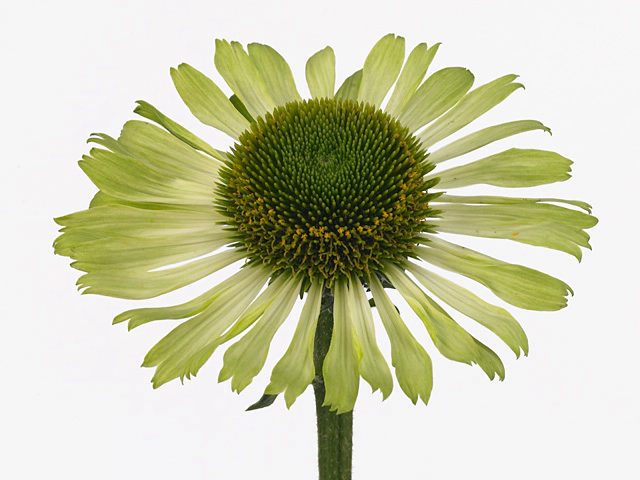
(335, 192)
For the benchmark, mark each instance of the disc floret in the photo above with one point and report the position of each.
(327, 188)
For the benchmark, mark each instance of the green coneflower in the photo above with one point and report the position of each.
(340, 196)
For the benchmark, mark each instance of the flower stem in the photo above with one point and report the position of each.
(335, 432)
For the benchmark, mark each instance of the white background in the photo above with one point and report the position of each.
(75, 403)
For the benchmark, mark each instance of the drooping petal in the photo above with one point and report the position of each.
(137, 284)
(539, 224)
(470, 107)
(450, 339)
(436, 95)
(244, 359)
(518, 285)
(381, 69)
(373, 366)
(412, 74)
(243, 77)
(147, 110)
(276, 73)
(140, 316)
(496, 319)
(320, 72)
(187, 347)
(295, 370)
(340, 369)
(453, 341)
(350, 87)
(484, 137)
(410, 360)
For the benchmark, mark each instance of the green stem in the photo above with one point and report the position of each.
(335, 432)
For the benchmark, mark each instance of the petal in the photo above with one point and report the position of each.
(537, 224)
(187, 347)
(295, 370)
(496, 319)
(245, 358)
(518, 285)
(350, 87)
(131, 180)
(436, 95)
(512, 168)
(243, 77)
(138, 284)
(113, 252)
(412, 363)
(146, 110)
(276, 73)
(484, 137)
(453, 341)
(471, 106)
(373, 366)
(450, 339)
(412, 74)
(321, 73)
(493, 200)
(381, 69)
(340, 369)
(207, 102)
(161, 151)
(139, 222)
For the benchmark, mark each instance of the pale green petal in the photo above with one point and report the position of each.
(340, 369)
(436, 95)
(140, 316)
(381, 69)
(142, 223)
(412, 74)
(484, 137)
(243, 77)
(187, 347)
(118, 252)
(256, 310)
(489, 361)
(539, 224)
(512, 168)
(350, 87)
(162, 152)
(147, 110)
(207, 102)
(138, 284)
(496, 319)
(373, 366)
(101, 199)
(276, 73)
(518, 285)
(245, 358)
(453, 341)
(295, 370)
(132, 180)
(494, 200)
(411, 362)
(471, 106)
(321, 73)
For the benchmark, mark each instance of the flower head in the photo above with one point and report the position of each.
(339, 192)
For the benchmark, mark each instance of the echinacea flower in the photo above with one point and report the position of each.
(341, 192)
